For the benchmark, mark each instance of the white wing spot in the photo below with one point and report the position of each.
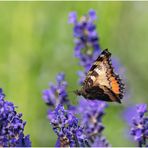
(93, 78)
(97, 71)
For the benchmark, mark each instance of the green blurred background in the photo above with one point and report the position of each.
(36, 43)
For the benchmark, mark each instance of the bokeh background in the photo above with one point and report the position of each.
(36, 43)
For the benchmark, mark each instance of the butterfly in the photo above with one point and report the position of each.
(101, 82)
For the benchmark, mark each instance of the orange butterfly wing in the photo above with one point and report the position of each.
(102, 75)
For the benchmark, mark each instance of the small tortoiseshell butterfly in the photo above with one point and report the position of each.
(101, 82)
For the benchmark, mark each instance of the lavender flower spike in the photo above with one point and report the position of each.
(91, 115)
(139, 129)
(86, 39)
(57, 94)
(65, 125)
(11, 126)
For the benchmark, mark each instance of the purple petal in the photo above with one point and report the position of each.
(142, 108)
(92, 14)
(72, 18)
(60, 77)
(57, 145)
(138, 135)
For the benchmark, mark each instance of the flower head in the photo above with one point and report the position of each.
(91, 115)
(11, 126)
(65, 125)
(139, 127)
(57, 94)
(86, 38)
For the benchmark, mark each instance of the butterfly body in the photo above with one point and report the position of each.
(101, 82)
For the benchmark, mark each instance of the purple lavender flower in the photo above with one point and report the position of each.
(57, 94)
(139, 129)
(92, 14)
(72, 18)
(11, 126)
(86, 38)
(101, 142)
(91, 113)
(65, 125)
